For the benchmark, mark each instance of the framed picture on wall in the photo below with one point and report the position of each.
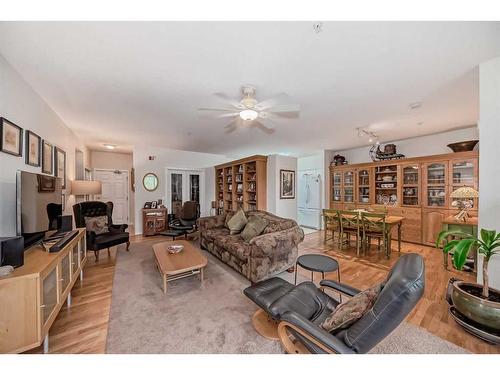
(11, 140)
(287, 184)
(32, 145)
(47, 158)
(60, 165)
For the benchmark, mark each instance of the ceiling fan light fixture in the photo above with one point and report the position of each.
(249, 114)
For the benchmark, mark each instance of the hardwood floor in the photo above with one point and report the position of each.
(82, 328)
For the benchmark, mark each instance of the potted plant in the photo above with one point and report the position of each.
(480, 303)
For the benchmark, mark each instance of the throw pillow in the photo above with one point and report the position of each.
(237, 222)
(96, 224)
(347, 313)
(254, 227)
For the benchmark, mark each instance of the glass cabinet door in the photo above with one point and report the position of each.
(337, 183)
(436, 184)
(364, 186)
(348, 187)
(49, 294)
(65, 272)
(410, 187)
(74, 259)
(463, 173)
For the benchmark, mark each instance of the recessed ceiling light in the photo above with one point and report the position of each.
(109, 146)
(415, 105)
(318, 27)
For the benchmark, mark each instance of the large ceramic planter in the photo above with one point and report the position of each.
(479, 310)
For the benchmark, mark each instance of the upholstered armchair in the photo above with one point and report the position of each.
(115, 234)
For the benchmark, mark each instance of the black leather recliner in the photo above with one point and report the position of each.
(302, 309)
(116, 234)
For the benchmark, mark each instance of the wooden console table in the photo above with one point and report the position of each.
(154, 221)
(32, 295)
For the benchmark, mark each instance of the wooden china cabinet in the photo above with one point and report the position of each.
(416, 188)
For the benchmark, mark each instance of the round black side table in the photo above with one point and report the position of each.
(317, 263)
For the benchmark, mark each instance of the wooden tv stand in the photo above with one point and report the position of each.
(32, 295)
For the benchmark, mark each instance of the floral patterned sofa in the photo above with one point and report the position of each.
(268, 254)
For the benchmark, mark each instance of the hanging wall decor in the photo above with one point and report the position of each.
(47, 158)
(32, 145)
(60, 165)
(11, 141)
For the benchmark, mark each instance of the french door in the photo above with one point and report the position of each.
(182, 186)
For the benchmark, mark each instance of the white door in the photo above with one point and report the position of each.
(182, 186)
(114, 189)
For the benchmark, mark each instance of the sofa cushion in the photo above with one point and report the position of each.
(254, 227)
(237, 222)
(212, 234)
(234, 245)
(347, 313)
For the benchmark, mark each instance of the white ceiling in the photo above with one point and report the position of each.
(134, 83)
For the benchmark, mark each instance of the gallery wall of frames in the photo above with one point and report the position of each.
(37, 152)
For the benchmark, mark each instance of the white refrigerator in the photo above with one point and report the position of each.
(309, 199)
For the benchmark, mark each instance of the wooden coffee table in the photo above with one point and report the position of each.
(190, 261)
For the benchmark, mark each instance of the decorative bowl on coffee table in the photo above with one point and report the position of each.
(174, 249)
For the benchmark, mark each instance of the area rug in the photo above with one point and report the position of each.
(209, 317)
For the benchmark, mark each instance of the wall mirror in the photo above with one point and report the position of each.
(150, 181)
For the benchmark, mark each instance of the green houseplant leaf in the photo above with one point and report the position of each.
(461, 251)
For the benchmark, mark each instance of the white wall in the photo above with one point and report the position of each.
(175, 159)
(281, 207)
(433, 144)
(115, 160)
(22, 105)
(489, 176)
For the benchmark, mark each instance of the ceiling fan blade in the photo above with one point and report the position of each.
(226, 98)
(232, 126)
(217, 109)
(261, 126)
(271, 102)
(285, 108)
(291, 114)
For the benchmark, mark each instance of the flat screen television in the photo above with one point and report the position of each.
(39, 203)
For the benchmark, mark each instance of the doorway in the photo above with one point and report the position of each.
(114, 189)
(184, 185)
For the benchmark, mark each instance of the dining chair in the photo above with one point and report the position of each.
(374, 226)
(350, 225)
(332, 224)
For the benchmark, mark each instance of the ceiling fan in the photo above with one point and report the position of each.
(250, 112)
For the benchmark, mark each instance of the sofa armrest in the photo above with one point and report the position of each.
(268, 244)
(211, 222)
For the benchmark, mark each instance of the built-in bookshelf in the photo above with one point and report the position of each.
(241, 184)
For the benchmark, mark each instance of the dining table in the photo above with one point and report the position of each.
(391, 221)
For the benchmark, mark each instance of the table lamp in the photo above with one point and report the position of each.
(464, 192)
(84, 187)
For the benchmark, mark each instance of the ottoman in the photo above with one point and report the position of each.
(264, 294)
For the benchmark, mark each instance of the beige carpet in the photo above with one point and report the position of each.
(213, 317)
